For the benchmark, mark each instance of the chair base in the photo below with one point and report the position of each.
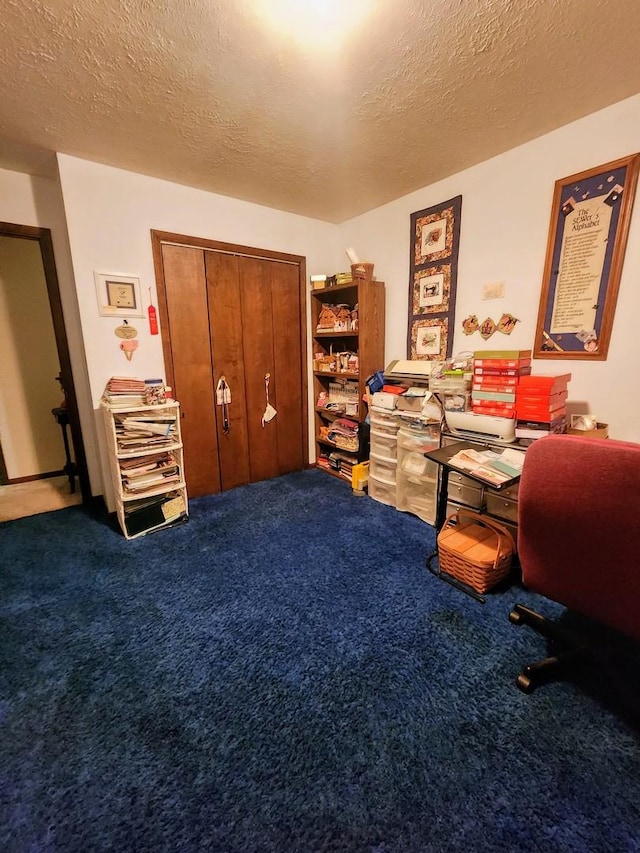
(569, 650)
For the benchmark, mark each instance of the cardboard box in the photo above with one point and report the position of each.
(601, 431)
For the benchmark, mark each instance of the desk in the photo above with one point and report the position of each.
(442, 456)
(62, 417)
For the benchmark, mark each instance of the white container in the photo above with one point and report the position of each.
(382, 468)
(383, 420)
(420, 438)
(383, 492)
(382, 444)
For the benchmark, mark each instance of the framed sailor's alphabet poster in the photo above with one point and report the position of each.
(435, 237)
(588, 231)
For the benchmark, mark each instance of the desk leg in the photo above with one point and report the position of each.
(443, 498)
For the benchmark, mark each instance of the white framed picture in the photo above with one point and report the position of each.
(118, 295)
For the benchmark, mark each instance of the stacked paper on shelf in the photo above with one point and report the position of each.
(344, 434)
(494, 468)
(496, 378)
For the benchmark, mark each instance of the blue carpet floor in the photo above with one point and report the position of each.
(281, 673)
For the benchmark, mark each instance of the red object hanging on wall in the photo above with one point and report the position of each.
(153, 317)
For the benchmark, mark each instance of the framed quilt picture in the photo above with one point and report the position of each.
(435, 237)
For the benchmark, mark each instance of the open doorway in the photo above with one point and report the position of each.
(37, 398)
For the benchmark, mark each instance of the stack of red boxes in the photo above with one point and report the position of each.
(541, 405)
(496, 378)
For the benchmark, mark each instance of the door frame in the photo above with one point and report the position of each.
(42, 236)
(160, 238)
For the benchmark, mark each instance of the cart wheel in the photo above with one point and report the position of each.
(524, 683)
(515, 618)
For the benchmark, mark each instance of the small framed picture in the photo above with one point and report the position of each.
(118, 295)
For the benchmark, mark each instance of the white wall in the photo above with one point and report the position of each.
(31, 439)
(506, 206)
(110, 213)
(36, 201)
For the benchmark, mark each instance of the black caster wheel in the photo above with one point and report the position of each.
(515, 618)
(524, 683)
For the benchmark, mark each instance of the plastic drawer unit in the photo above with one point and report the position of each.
(417, 477)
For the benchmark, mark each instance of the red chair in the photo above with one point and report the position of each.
(578, 517)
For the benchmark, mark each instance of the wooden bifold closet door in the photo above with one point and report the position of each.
(240, 318)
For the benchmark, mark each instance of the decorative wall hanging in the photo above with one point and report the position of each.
(470, 324)
(435, 238)
(507, 323)
(129, 347)
(125, 331)
(118, 295)
(487, 328)
(588, 232)
(428, 338)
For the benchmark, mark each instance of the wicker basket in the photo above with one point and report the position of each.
(362, 271)
(475, 549)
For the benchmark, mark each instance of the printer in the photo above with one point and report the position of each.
(471, 425)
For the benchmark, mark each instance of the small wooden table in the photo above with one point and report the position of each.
(62, 417)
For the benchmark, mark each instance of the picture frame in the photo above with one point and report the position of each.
(118, 295)
(429, 339)
(435, 238)
(590, 217)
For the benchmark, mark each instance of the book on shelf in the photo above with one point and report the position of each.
(492, 467)
(155, 426)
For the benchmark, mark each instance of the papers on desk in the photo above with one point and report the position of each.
(490, 466)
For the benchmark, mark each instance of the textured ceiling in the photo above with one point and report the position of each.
(206, 93)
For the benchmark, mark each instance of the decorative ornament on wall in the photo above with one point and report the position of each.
(470, 324)
(487, 328)
(507, 323)
(128, 348)
(125, 331)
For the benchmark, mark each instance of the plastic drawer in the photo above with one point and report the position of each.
(419, 441)
(419, 498)
(382, 468)
(383, 492)
(413, 464)
(383, 420)
(382, 444)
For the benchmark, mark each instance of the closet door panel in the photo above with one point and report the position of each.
(186, 295)
(225, 320)
(257, 334)
(288, 359)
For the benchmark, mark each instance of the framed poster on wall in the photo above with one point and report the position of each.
(588, 231)
(435, 237)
